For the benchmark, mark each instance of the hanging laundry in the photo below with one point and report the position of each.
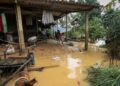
(47, 17)
(4, 22)
(0, 24)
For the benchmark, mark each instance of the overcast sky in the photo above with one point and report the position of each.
(104, 2)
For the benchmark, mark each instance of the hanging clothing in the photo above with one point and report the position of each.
(4, 22)
(47, 17)
(1, 24)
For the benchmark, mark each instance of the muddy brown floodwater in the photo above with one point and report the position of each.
(72, 65)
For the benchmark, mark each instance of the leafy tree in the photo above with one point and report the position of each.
(111, 5)
(79, 18)
(111, 22)
(95, 12)
(96, 29)
(95, 25)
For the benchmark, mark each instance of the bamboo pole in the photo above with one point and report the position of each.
(86, 31)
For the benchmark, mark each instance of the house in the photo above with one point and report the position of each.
(22, 15)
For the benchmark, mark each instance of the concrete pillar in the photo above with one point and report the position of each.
(20, 27)
(86, 30)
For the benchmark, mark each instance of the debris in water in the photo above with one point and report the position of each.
(10, 49)
(56, 58)
(72, 48)
(78, 83)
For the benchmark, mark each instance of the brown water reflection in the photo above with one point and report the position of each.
(53, 54)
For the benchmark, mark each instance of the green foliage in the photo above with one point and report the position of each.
(111, 22)
(50, 32)
(109, 76)
(96, 29)
(95, 25)
(95, 12)
(74, 34)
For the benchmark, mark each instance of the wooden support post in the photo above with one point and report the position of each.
(86, 31)
(62, 21)
(20, 27)
(1, 75)
(66, 28)
(37, 27)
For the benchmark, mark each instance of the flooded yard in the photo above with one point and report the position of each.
(71, 65)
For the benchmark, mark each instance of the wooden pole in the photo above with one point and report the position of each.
(86, 31)
(41, 68)
(20, 27)
(62, 22)
(66, 28)
(37, 27)
(1, 75)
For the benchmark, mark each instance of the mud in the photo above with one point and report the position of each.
(72, 65)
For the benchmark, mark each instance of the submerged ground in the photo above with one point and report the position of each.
(71, 65)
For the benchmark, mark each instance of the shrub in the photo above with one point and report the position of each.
(109, 76)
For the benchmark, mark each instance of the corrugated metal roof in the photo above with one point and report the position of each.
(36, 7)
